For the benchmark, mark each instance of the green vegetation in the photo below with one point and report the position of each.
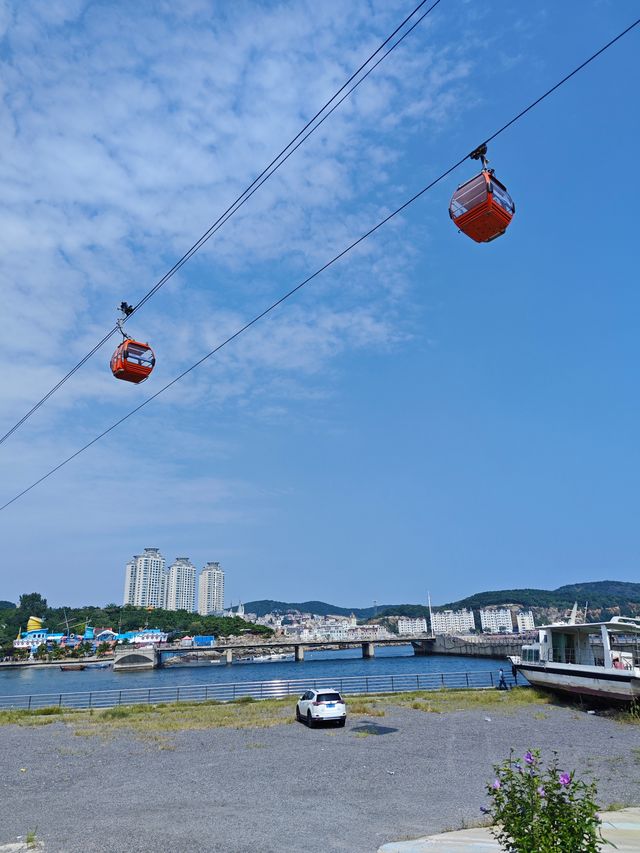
(31, 839)
(321, 608)
(118, 618)
(605, 598)
(536, 808)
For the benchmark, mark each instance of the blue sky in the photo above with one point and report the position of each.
(430, 414)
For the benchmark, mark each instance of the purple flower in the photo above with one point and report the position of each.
(565, 779)
(518, 766)
(529, 758)
(496, 785)
(541, 792)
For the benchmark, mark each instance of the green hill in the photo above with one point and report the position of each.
(600, 595)
(320, 608)
(605, 599)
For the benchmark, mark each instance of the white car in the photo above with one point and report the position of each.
(316, 706)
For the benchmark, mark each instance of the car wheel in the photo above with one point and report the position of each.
(310, 721)
(298, 717)
(341, 723)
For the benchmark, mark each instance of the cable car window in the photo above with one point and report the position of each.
(469, 195)
(139, 355)
(502, 197)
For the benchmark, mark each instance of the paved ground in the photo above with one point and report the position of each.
(288, 788)
(619, 828)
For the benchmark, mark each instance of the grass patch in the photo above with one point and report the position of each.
(31, 839)
(247, 712)
(447, 701)
(366, 707)
(616, 807)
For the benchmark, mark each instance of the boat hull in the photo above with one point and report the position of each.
(611, 684)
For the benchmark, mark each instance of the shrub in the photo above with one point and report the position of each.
(537, 809)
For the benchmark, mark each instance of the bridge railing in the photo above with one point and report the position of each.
(228, 691)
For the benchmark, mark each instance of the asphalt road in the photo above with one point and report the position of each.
(288, 789)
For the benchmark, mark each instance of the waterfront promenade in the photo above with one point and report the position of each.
(403, 774)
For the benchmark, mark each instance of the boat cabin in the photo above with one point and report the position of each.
(612, 645)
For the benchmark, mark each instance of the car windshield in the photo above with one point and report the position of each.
(329, 697)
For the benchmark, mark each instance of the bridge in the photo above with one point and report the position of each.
(132, 658)
(478, 645)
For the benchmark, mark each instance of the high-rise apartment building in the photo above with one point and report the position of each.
(496, 620)
(211, 590)
(453, 622)
(181, 585)
(411, 626)
(525, 621)
(145, 583)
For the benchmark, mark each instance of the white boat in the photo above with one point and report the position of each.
(273, 658)
(593, 659)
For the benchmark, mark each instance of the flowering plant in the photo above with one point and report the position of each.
(537, 809)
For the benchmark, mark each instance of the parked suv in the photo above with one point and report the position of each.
(316, 706)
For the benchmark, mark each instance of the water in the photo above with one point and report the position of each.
(389, 660)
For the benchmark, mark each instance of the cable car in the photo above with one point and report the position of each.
(482, 208)
(132, 361)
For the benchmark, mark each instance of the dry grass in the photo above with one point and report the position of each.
(149, 720)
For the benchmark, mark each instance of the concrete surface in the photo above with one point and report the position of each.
(621, 828)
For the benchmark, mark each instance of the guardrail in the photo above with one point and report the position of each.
(227, 692)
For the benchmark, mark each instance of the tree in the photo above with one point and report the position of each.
(33, 604)
(41, 652)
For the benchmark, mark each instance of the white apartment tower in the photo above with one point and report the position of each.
(525, 621)
(145, 583)
(453, 622)
(181, 585)
(211, 590)
(412, 626)
(496, 620)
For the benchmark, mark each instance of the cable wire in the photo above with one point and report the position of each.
(310, 278)
(255, 185)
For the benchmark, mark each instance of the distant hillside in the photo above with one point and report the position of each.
(605, 599)
(600, 595)
(321, 608)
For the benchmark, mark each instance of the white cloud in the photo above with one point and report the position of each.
(127, 128)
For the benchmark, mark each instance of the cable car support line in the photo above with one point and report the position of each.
(314, 275)
(266, 173)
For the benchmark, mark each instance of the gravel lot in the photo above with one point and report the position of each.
(289, 788)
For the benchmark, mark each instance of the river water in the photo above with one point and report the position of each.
(389, 660)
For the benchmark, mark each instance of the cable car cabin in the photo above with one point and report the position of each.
(132, 361)
(482, 208)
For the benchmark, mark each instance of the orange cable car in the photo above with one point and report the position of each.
(481, 207)
(132, 361)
